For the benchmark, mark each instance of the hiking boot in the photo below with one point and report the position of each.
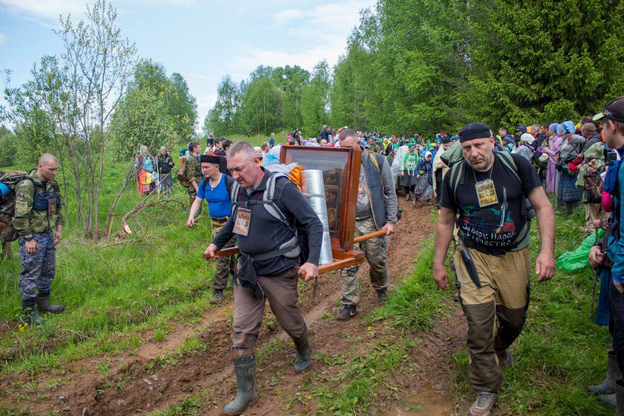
(348, 312)
(302, 362)
(245, 368)
(43, 304)
(505, 359)
(613, 373)
(382, 295)
(407, 196)
(217, 296)
(484, 404)
(414, 201)
(30, 313)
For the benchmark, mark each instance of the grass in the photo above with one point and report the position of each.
(120, 295)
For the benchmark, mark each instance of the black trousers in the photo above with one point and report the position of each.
(616, 326)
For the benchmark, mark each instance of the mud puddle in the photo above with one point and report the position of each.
(428, 401)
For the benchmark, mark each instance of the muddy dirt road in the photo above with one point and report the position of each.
(157, 376)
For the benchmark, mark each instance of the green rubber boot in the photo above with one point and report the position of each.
(245, 367)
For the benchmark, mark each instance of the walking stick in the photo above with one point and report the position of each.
(591, 306)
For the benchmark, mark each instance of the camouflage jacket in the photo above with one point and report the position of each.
(192, 170)
(30, 220)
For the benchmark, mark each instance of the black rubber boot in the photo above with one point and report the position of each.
(613, 374)
(348, 312)
(619, 394)
(245, 367)
(30, 313)
(608, 400)
(303, 362)
(43, 304)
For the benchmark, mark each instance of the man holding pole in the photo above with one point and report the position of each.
(268, 238)
(376, 210)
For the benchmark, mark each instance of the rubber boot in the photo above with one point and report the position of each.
(613, 373)
(30, 313)
(245, 367)
(608, 400)
(303, 362)
(43, 304)
(619, 394)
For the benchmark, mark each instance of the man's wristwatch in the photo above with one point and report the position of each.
(28, 237)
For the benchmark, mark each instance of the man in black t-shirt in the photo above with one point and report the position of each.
(484, 196)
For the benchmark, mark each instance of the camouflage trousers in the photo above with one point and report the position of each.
(375, 253)
(225, 265)
(38, 270)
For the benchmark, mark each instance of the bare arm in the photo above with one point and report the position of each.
(545, 262)
(443, 236)
(194, 210)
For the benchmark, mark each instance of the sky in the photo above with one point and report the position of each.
(201, 40)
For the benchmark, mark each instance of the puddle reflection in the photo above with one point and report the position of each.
(428, 401)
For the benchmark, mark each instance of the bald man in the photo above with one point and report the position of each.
(38, 221)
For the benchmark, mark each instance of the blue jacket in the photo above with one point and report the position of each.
(616, 243)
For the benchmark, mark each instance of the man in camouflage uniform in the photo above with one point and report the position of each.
(38, 221)
(193, 172)
(376, 209)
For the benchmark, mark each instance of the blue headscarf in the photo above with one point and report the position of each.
(554, 127)
(569, 126)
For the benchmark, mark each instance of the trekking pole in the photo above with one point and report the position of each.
(596, 274)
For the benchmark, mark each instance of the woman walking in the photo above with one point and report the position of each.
(572, 144)
(424, 179)
(145, 165)
(408, 171)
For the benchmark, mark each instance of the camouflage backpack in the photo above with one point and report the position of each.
(7, 203)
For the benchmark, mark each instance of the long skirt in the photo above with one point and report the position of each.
(568, 192)
(408, 179)
(424, 190)
(145, 182)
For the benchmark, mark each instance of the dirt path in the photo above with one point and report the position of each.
(156, 376)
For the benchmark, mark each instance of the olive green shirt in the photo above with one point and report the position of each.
(28, 220)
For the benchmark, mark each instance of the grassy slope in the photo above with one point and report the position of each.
(115, 293)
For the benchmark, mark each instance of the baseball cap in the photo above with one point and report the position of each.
(614, 110)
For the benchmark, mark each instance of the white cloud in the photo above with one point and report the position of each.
(49, 9)
(288, 15)
(3, 38)
(322, 33)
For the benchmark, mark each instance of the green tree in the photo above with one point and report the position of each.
(543, 60)
(221, 119)
(79, 93)
(261, 105)
(315, 99)
(156, 111)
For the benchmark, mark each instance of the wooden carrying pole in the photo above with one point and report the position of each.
(342, 259)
